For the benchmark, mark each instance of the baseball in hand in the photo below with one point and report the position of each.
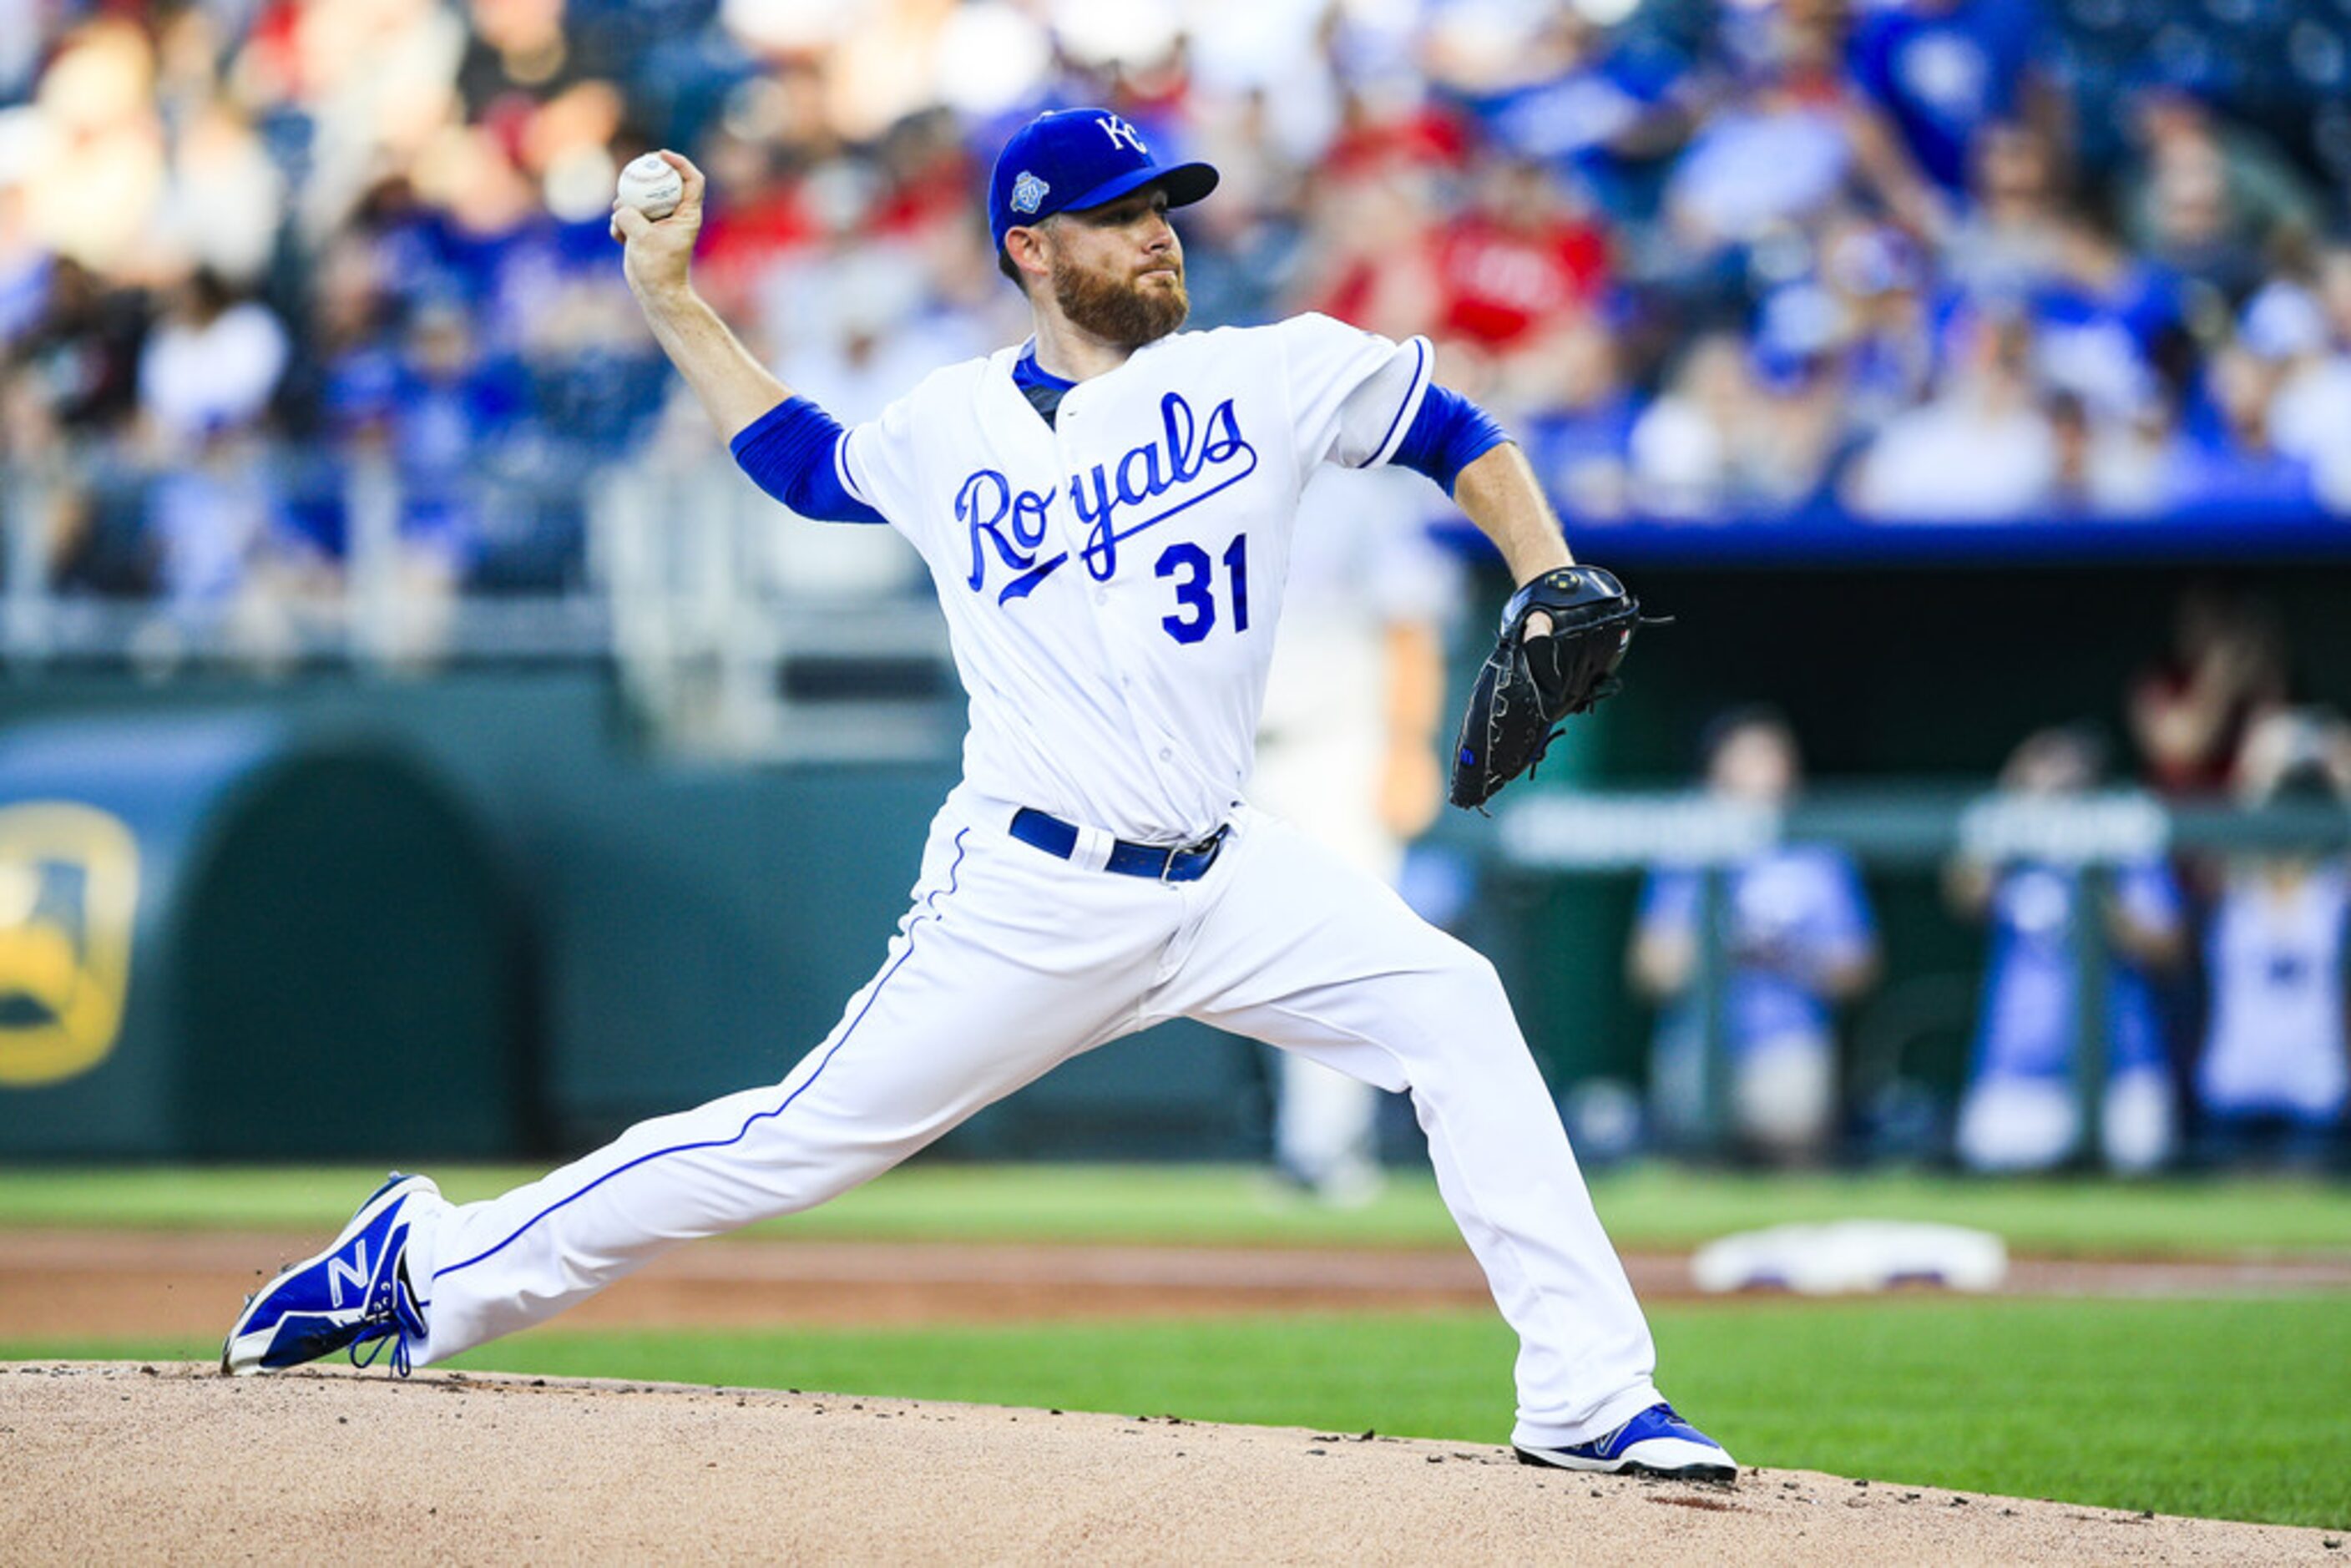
(651, 186)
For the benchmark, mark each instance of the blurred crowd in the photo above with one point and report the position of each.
(1907, 258)
(2211, 987)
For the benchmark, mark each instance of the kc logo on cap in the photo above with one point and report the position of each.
(1120, 130)
(1074, 159)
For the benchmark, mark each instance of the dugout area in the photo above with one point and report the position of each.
(1926, 671)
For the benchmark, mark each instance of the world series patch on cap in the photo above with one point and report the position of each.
(1073, 158)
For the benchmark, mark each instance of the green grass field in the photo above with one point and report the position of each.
(2236, 1409)
(1650, 1208)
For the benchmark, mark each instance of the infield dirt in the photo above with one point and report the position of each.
(113, 1462)
(59, 1283)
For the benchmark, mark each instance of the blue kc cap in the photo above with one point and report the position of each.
(1073, 158)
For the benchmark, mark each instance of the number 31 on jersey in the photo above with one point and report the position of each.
(1195, 587)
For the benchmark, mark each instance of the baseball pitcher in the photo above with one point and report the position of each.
(1106, 511)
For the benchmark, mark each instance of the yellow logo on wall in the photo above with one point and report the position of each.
(69, 892)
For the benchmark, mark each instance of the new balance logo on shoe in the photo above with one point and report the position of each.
(356, 1271)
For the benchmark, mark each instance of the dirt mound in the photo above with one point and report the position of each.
(113, 1463)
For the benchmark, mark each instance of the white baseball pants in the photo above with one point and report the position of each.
(1009, 962)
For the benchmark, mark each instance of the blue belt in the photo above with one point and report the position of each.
(1185, 862)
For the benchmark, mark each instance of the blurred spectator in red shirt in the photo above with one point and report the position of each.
(758, 213)
(1520, 262)
(1368, 215)
(2190, 714)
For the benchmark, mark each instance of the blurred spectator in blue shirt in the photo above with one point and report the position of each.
(2285, 328)
(440, 410)
(1788, 143)
(2111, 327)
(1604, 111)
(1800, 938)
(1944, 69)
(1580, 433)
(1883, 350)
(215, 519)
(1800, 367)
(2227, 459)
(2021, 1110)
(1983, 450)
(2209, 200)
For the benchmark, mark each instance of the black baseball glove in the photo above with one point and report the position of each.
(1530, 684)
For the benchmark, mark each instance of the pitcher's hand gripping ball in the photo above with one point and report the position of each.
(651, 186)
(1531, 682)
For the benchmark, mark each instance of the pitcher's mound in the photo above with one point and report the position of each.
(117, 1462)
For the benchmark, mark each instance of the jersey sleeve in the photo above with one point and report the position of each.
(1352, 394)
(877, 463)
(793, 453)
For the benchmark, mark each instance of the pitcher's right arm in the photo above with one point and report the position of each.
(788, 446)
(657, 259)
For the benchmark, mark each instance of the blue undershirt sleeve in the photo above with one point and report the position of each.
(791, 452)
(1448, 434)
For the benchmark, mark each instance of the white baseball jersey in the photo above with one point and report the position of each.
(1112, 581)
(2276, 1038)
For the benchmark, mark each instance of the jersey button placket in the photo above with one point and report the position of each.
(1070, 464)
(1114, 637)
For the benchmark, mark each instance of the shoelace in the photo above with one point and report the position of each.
(374, 1339)
(384, 1322)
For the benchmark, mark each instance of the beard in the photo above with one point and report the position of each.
(1120, 311)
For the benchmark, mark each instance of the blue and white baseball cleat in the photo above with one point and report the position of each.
(354, 1293)
(1656, 1442)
